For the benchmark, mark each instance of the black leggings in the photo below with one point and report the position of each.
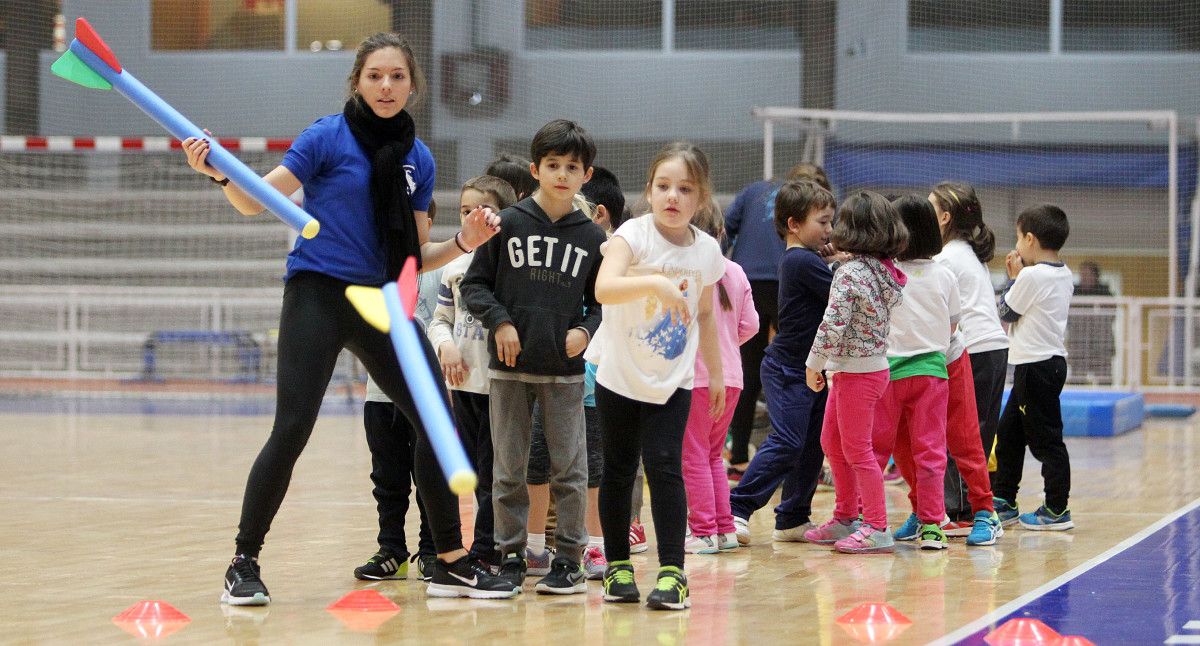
(315, 323)
(393, 441)
(741, 426)
(655, 432)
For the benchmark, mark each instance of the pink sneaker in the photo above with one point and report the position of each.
(594, 563)
(637, 538)
(832, 531)
(866, 540)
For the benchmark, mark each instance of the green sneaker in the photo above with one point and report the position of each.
(671, 590)
(932, 537)
(383, 566)
(619, 586)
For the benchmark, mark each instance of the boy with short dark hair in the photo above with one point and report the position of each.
(604, 191)
(533, 287)
(1035, 305)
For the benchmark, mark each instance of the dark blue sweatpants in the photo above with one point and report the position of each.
(791, 454)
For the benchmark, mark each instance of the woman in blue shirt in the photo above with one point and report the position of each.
(368, 180)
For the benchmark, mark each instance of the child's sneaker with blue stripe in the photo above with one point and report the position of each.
(1044, 520)
(986, 530)
(1006, 511)
(909, 530)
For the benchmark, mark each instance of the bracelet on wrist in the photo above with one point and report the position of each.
(220, 182)
(458, 242)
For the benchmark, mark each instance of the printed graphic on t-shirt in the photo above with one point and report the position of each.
(409, 169)
(466, 326)
(659, 334)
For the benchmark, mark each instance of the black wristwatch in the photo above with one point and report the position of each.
(221, 182)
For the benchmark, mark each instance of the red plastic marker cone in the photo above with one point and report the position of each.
(1074, 640)
(1022, 632)
(363, 611)
(364, 601)
(874, 622)
(151, 620)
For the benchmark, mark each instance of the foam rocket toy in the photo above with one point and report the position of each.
(89, 62)
(390, 309)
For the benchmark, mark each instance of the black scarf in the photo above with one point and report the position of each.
(386, 143)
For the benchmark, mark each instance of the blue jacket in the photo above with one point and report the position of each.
(750, 227)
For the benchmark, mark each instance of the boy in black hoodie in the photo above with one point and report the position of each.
(533, 287)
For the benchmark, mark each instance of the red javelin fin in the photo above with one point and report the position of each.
(407, 285)
(93, 41)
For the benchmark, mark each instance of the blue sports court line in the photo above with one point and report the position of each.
(1145, 590)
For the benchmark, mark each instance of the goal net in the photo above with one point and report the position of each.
(108, 238)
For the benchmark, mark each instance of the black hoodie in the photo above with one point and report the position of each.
(540, 276)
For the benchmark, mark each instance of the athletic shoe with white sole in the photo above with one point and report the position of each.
(243, 583)
(468, 577)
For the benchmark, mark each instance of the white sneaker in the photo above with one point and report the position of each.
(792, 534)
(726, 542)
(742, 529)
(700, 545)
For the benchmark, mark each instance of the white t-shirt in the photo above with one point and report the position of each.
(1041, 294)
(427, 289)
(921, 322)
(453, 322)
(980, 322)
(640, 353)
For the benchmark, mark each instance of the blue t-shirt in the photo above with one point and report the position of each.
(750, 224)
(336, 175)
(804, 280)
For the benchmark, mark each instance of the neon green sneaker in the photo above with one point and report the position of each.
(932, 538)
(671, 591)
(619, 586)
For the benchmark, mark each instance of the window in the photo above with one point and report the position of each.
(216, 24)
(584, 24)
(1130, 26)
(262, 24)
(720, 24)
(978, 26)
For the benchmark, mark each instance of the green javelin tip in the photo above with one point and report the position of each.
(70, 67)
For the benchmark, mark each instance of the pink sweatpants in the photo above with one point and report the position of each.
(703, 470)
(962, 435)
(846, 437)
(910, 424)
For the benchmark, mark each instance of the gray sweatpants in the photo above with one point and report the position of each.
(511, 407)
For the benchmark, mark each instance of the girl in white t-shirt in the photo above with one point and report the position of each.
(656, 289)
(977, 362)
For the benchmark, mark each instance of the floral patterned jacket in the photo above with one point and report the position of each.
(853, 334)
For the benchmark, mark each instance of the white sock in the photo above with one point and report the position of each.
(536, 543)
(596, 541)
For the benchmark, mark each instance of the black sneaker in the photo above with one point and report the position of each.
(566, 577)
(512, 569)
(243, 585)
(671, 590)
(467, 577)
(424, 565)
(619, 586)
(384, 566)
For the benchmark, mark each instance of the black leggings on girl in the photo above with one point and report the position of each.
(653, 432)
(315, 323)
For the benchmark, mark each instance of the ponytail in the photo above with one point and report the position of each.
(966, 218)
(723, 297)
(983, 243)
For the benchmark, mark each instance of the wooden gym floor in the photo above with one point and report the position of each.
(101, 511)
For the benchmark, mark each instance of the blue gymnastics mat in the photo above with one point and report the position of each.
(1099, 413)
